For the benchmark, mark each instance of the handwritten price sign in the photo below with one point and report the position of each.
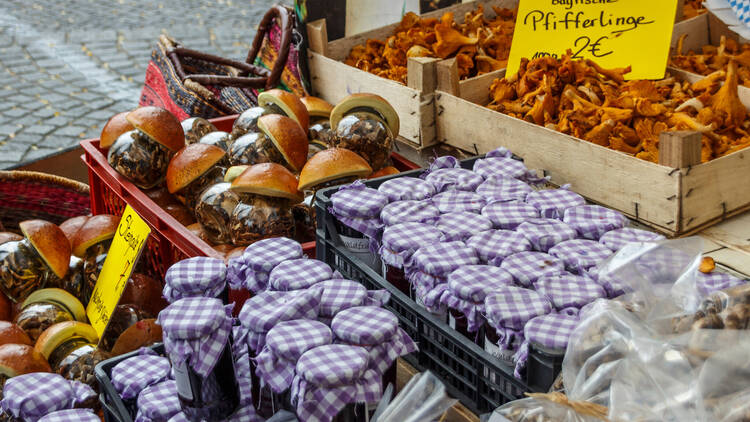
(614, 33)
(126, 248)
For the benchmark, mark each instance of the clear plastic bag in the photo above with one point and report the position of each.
(422, 399)
(553, 407)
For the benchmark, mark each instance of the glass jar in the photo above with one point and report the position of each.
(195, 128)
(73, 282)
(22, 269)
(259, 217)
(365, 132)
(192, 192)
(255, 148)
(47, 307)
(93, 261)
(122, 318)
(76, 359)
(214, 211)
(140, 159)
(217, 138)
(247, 121)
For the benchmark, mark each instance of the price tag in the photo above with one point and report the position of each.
(613, 33)
(126, 248)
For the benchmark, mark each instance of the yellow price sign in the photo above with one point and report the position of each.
(129, 241)
(613, 33)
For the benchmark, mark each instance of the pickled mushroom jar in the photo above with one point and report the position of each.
(47, 307)
(123, 317)
(367, 125)
(115, 126)
(217, 138)
(214, 211)
(273, 101)
(332, 167)
(28, 264)
(278, 140)
(91, 243)
(70, 348)
(73, 282)
(142, 155)
(195, 128)
(319, 133)
(193, 169)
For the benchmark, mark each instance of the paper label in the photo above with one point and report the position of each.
(356, 244)
(613, 33)
(129, 241)
(182, 379)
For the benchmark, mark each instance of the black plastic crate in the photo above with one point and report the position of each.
(480, 381)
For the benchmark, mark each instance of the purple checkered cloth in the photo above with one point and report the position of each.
(500, 188)
(569, 290)
(551, 332)
(71, 415)
(462, 225)
(330, 377)
(196, 331)
(579, 255)
(250, 271)
(610, 283)
(357, 201)
(493, 246)
(199, 276)
(399, 242)
(509, 308)
(406, 188)
(592, 221)
(370, 227)
(340, 294)
(616, 239)
(134, 374)
(435, 261)
(510, 214)
(499, 152)
(298, 274)
(158, 402)
(527, 267)
(714, 281)
(243, 414)
(409, 212)
(29, 397)
(500, 166)
(444, 162)
(285, 343)
(242, 371)
(552, 203)
(454, 179)
(544, 233)
(458, 200)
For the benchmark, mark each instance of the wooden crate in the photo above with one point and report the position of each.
(414, 102)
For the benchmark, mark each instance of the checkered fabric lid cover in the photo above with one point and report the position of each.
(618, 238)
(511, 307)
(371, 227)
(401, 240)
(569, 290)
(500, 166)
(612, 286)
(158, 402)
(544, 233)
(364, 325)
(461, 225)
(527, 267)
(357, 201)
(500, 188)
(552, 203)
(71, 415)
(493, 246)
(198, 276)
(31, 396)
(454, 179)
(298, 274)
(441, 258)
(454, 201)
(406, 188)
(135, 373)
(475, 282)
(580, 254)
(444, 162)
(409, 211)
(262, 312)
(711, 282)
(340, 294)
(333, 365)
(243, 414)
(592, 221)
(509, 214)
(551, 331)
(196, 330)
(251, 269)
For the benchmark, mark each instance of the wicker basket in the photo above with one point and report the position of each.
(26, 195)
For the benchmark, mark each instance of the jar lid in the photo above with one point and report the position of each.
(192, 318)
(198, 276)
(262, 312)
(158, 402)
(439, 259)
(364, 325)
(457, 200)
(511, 307)
(31, 396)
(500, 166)
(446, 179)
(265, 254)
(509, 215)
(544, 233)
(613, 286)
(297, 274)
(493, 246)
(409, 211)
(714, 281)
(551, 331)
(461, 225)
(592, 221)
(618, 238)
(290, 339)
(358, 201)
(500, 188)
(580, 254)
(340, 294)
(552, 203)
(406, 188)
(333, 365)
(569, 290)
(410, 236)
(71, 415)
(135, 373)
(527, 267)
(475, 282)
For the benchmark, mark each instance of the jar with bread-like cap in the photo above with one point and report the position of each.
(136, 373)
(332, 167)
(91, 243)
(580, 255)
(252, 269)
(593, 221)
(460, 225)
(218, 139)
(544, 233)
(47, 307)
(71, 349)
(270, 102)
(552, 203)
(193, 169)
(399, 242)
(508, 215)
(195, 128)
(31, 396)
(199, 276)
(492, 246)
(159, 402)
(501, 188)
(527, 267)
(319, 134)
(278, 139)
(214, 210)
(407, 188)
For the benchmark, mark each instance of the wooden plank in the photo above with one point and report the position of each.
(477, 89)
(733, 233)
(717, 29)
(421, 73)
(680, 149)
(317, 36)
(447, 77)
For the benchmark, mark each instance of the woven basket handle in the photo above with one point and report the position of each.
(282, 14)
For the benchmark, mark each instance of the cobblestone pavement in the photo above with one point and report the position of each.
(67, 66)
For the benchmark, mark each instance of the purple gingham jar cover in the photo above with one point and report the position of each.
(298, 274)
(400, 241)
(158, 402)
(196, 331)
(198, 276)
(500, 166)
(30, 396)
(243, 414)
(569, 290)
(71, 415)
(616, 239)
(613, 286)
(458, 200)
(251, 269)
(493, 246)
(407, 188)
(550, 332)
(527, 267)
(462, 225)
(408, 212)
(511, 307)
(713, 281)
(133, 374)
(432, 262)
(499, 188)
(592, 221)
(544, 233)
(340, 294)
(357, 201)
(580, 254)
(509, 214)
(285, 343)
(552, 203)
(447, 179)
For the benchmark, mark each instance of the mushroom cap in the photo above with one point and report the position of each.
(19, 359)
(96, 229)
(141, 334)
(317, 106)
(288, 137)
(190, 163)
(9, 237)
(60, 297)
(362, 100)
(13, 334)
(71, 226)
(332, 164)
(289, 103)
(50, 242)
(160, 125)
(115, 126)
(268, 179)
